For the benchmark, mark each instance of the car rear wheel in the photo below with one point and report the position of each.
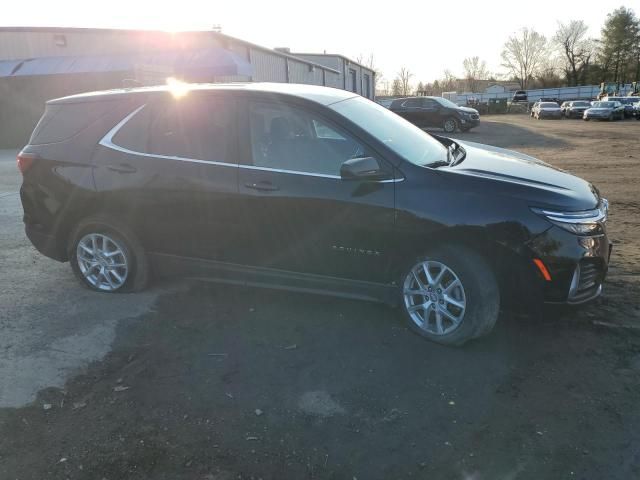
(449, 125)
(107, 257)
(450, 296)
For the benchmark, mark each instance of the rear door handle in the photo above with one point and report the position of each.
(262, 186)
(122, 168)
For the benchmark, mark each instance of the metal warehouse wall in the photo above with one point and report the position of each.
(331, 61)
(22, 99)
(22, 102)
(338, 62)
(268, 67)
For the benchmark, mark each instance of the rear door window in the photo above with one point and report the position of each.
(192, 127)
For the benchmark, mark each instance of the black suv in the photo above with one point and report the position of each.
(575, 109)
(310, 189)
(436, 112)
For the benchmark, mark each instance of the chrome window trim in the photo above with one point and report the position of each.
(107, 141)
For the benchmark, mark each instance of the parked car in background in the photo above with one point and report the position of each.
(636, 108)
(519, 96)
(627, 103)
(311, 189)
(546, 110)
(602, 110)
(436, 112)
(574, 109)
(385, 102)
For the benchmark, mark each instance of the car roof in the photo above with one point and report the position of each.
(315, 93)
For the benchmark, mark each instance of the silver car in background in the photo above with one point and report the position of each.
(546, 110)
(604, 110)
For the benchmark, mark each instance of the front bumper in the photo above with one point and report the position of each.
(469, 122)
(597, 116)
(576, 113)
(577, 265)
(543, 114)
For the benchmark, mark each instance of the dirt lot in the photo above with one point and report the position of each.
(218, 382)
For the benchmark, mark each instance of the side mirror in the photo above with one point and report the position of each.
(363, 168)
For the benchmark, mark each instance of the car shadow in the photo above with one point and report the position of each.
(282, 385)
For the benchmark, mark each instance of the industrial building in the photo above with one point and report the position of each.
(37, 64)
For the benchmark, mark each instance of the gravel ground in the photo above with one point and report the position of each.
(201, 381)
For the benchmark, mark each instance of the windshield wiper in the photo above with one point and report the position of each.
(439, 163)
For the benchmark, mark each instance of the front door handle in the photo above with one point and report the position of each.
(122, 168)
(262, 186)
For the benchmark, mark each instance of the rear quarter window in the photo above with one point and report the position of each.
(134, 135)
(63, 121)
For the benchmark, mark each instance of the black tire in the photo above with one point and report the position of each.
(138, 267)
(480, 289)
(450, 125)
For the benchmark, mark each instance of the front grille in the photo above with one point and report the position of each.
(586, 282)
(475, 116)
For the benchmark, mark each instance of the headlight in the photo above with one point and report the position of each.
(587, 222)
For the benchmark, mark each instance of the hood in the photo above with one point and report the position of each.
(600, 109)
(527, 177)
(468, 110)
(551, 109)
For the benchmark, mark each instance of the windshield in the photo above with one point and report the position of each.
(405, 139)
(603, 104)
(548, 105)
(581, 104)
(445, 102)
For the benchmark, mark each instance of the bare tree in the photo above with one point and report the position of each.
(549, 74)
(523, 55)
(474, 70)
(370, 63)
(404, 76)
(449, 82)
(396, 88)
(577, 49)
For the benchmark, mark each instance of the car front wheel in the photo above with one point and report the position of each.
(450, 296)
(449, 125)
(107, 257)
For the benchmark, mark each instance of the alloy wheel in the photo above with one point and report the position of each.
(449, 125)
(102, 261)
(434, 297)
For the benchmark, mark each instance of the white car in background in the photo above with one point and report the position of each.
(546, 110)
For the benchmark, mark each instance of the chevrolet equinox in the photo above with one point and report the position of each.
(310, 189)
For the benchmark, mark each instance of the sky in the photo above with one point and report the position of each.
(426, 39)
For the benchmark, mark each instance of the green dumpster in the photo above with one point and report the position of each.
(497, 105)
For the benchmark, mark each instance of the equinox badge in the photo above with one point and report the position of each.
(359, 251)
